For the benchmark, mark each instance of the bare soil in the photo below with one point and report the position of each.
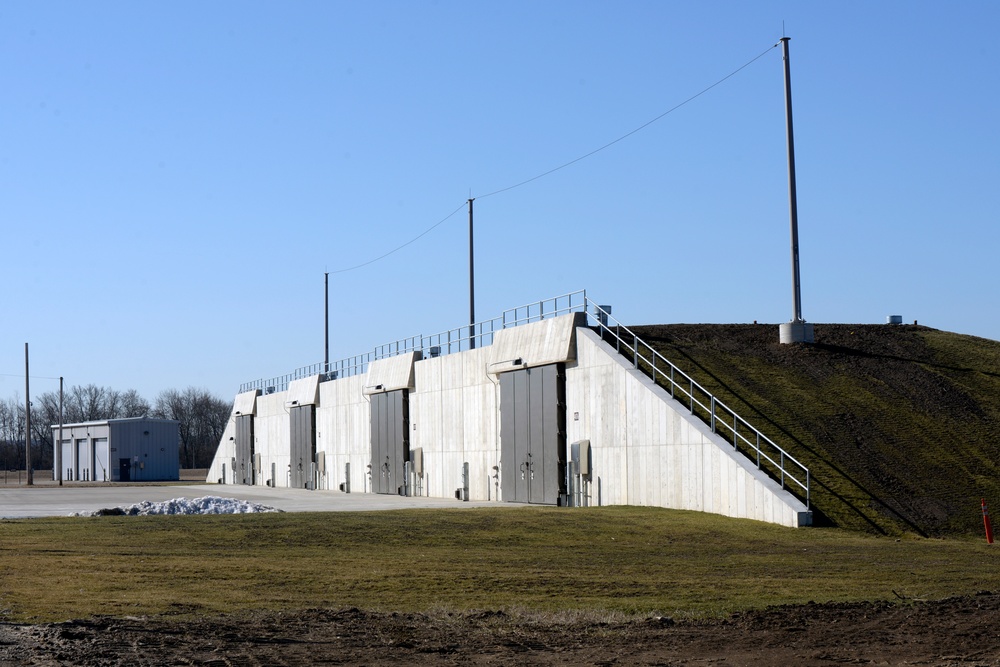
(956, 631)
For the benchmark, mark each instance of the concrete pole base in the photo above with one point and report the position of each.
(796, 332)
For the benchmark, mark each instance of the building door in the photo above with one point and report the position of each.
(100, 458)
(533, 434)
(390, 440)
(245, 473)
(303, 445)
(67, 460)
(125, 470)
(83, 464)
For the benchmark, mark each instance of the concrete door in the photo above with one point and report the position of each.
(390, 440)
(533, 434)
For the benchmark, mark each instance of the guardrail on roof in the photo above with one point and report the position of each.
(454, 340)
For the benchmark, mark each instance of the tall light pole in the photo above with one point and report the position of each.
(798, 330)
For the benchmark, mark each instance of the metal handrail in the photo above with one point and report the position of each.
(720, 418)
(451, 341)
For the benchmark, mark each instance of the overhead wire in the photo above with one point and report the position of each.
(638, 129)
(398, 248)
(567, 164)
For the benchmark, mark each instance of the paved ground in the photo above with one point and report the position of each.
(51, 500)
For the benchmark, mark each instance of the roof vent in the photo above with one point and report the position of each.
(602, 313)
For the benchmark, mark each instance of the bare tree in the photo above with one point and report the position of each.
(82, 404)
(12, 434)
(202, 418)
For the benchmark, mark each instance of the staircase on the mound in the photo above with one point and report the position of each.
(743, 436)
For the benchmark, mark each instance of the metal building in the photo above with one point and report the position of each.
(118, 450)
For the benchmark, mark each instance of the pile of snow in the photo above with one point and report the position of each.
(206, 505)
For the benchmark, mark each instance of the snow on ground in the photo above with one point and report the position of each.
(206, 505)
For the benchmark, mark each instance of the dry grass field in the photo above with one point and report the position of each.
(498, 586)
(897, 425)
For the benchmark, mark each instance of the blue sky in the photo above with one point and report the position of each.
(176, 177)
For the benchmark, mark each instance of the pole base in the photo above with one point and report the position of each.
(796, 332)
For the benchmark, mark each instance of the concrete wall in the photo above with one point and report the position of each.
(646, 448)
(454, 419)
(649, 450)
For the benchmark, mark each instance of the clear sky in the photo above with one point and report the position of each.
(176, 177)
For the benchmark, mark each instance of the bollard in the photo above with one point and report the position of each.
(986, 523)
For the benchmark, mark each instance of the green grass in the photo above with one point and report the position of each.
(597, 560)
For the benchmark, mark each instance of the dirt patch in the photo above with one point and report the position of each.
(964, 630)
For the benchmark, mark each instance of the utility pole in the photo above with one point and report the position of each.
(57, 454)
(326, 319)
(796, 331)
(472, 284)
(27, 420)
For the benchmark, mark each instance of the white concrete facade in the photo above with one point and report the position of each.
(647, 449)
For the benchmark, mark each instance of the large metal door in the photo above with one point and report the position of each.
(390, 440)
(303, 445)
(533, 434)
(245, 473)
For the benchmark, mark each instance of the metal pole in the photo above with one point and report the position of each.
(27, 420)
(792, 203)
(58, 449)
(326, 320)
(472, 284)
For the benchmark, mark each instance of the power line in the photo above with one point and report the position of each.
(629, 134)
(398, 248)
(33, 377)
(567, 164)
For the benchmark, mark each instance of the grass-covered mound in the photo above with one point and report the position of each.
(899, 425)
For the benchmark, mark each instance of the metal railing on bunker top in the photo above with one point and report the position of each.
(451, 341)
(723, 420)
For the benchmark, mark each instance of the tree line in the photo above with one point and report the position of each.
(202, 418)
